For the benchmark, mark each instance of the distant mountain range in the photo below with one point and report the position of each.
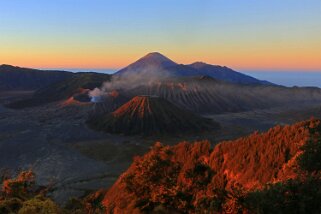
(199, 87)
(17, 78)
(155, 63)
(205, 94)
(63, 89)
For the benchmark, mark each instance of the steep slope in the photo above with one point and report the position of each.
(152, 62)
(207, 95)
(148, 115)
(67, 88)
(192, 178)
(156, 64)
(108, 103)
(16, 78)
(63, 89)
(225, 73)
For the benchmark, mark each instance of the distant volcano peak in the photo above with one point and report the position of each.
(153, 61)
(155, 64)
(155, 55)
(156, 58)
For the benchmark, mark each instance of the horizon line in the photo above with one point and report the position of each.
(240, 69)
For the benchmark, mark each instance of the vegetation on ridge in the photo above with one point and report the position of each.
(23, 196)
(274, 172)
(261, 173)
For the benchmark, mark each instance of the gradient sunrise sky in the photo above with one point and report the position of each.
(245, 35)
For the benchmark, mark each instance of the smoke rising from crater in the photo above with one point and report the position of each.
(130, 80)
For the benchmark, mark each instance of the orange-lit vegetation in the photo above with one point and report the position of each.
(274, 172)
(268, 172)
(22, 195)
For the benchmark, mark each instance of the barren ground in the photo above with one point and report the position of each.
(54, 142)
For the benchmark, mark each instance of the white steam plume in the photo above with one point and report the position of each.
(130, 80)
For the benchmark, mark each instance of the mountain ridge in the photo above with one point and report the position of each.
(63, 89)
(19, 78)
(226, 74)
(190, 177)
(155, 62)
(149, 62)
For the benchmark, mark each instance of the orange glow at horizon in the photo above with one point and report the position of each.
(242, 54)
(247, 35)
(238, 61)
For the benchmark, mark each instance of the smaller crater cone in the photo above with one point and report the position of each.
(150, 115)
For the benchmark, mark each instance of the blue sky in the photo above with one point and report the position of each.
(248, 34)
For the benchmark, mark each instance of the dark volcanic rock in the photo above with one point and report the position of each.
(16, 78)
(64, 90)
(110, 102)
(148, 115)
(207, 95)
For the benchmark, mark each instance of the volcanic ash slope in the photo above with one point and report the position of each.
(150, 115)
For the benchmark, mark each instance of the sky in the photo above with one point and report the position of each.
(252, 35)
(288, 78)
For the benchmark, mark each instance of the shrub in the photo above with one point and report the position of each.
(310, 160)
(23, 186)
(39, 205)
(293, 196)
(11, 205)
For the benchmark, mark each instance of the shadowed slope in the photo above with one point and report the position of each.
(148, 115)
(208, 95)
(16, 78)
(152, 62)
(109, 103)
(156, 64)
(192, 177)
(63, 90)
(226, 74)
